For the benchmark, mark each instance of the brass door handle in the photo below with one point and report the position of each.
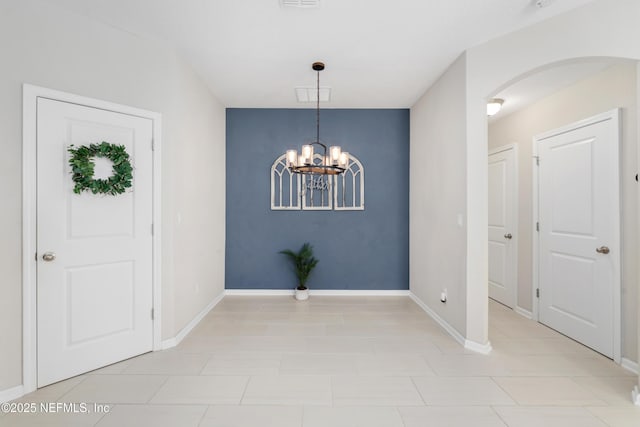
(602, 250)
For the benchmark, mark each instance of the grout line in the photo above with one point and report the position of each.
(499, 416)
(415, 386)
(158, 390)
(244, 391)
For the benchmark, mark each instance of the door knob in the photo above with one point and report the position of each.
(49, 256)
(508, 236)
(602, 250)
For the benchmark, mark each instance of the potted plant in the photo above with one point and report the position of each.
(304, 262)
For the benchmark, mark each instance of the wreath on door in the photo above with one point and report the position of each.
(83, 166)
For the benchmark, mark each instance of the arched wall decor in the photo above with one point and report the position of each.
(291, 191)
(285, 186)
(349, 188)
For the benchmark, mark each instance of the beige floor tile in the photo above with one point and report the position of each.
(253, 416)
(296, 329)
(288, 390)
(262, 358)
(374, 391)
(312, 318)
(377, 330)
(612, 390)
(543, 366)
(339, 345)
(363, 416)
(439, 391)
(550, 391)
(289, 344)
(248, 355)
(40, 419)
(53, 392)
(116, 368)
(628, 416)
(218, 366)
(319, 364)
(459, 416)
(517, 328)
(167, 363)
(406, 345)
(201, 390)
(548, 417)
(153, 416)
(115, 389)
(208, 345)
(467, 365)
(393, 364)
(599, 366)
(386, 318)
(538, 346)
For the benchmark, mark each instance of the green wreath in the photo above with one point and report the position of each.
(82, 168)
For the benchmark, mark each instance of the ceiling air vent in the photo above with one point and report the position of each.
(307, 4)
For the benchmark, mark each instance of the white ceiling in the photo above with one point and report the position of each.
(379, 53)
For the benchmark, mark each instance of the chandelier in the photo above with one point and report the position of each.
(333, 163)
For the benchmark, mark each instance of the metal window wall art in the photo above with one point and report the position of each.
(292, 191)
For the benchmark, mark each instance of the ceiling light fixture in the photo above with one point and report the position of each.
(494, 105)
(305, 162)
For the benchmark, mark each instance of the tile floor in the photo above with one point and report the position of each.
(350, 361)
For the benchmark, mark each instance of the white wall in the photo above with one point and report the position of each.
(613, 88)
(42, 46)
(437, 244)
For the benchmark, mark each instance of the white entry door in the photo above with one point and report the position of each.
(94, 293)
(503, 206)
(579, 240)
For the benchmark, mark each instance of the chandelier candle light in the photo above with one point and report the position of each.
(333, 163)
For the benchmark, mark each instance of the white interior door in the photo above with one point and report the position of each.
(502, 226)
(579, 241)
(94, 299)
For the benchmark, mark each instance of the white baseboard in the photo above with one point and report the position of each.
(468, 344)
(172, 342)
(630, 366)
(11, 393)
(477, 347)
(439, 320)
(320, 292)
(259, 292)
(524, 313)
(635, 396)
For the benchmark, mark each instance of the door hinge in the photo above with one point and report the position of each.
(537, 226)
(36, 256)
(153, 144)
(152, 229)
(152, 314)
(537, 292)
(537, 160)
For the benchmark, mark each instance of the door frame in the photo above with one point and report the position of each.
(614, 116)
(515, 215)
(30, 95)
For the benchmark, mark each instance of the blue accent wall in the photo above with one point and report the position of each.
(357, 249)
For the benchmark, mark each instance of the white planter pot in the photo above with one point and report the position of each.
(302, 295)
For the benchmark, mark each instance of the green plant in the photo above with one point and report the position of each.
(82, 168)
(304, 262)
